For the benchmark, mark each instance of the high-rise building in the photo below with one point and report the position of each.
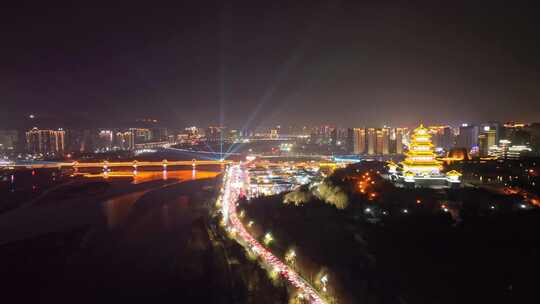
(383, 141)
(322, 135)
(325, 133)
(507, 151)
(398, 137)
(47, 142)
(8, 140)
(159, 134)
(214, 134)
(534, 131)
(141, 135)
(442, 137)
(77, 140)
(516, 133)
(494, 126)
(105, 139)
(274, 134)
(339, 138)
(483, 148)
(233, 135)
(486, 139)
(125, 140)
(350, 140)
(359, 140)
(468, 137)
(371, 141)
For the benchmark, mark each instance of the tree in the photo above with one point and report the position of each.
(297, 197)
(332, 195)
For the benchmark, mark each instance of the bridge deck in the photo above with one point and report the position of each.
(105, 164)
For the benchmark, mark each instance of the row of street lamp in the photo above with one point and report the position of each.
(236, 229)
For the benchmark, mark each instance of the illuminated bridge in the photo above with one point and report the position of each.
(106, 164)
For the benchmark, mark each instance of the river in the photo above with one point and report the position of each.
(142, 238)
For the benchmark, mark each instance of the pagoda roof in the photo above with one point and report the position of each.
(420, 163)
(409, 173)
(421, 129)
(421, 143)
(391, 163)
(427, 152)
(453, 173)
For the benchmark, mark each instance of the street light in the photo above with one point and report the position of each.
(268, 238)
(290, 257)
(324, 282)
(232, 231)
(274, 273)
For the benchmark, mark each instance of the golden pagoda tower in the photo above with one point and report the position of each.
(420, 159)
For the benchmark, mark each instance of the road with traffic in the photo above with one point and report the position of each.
(232, 189)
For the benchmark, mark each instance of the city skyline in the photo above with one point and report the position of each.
(492, 140)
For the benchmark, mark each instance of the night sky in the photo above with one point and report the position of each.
(249, 63)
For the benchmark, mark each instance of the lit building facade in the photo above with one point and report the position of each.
(214, 134)
(493, 126)
(442, 137)
(486, 139)
(468, 137)
(81, 140)
(383, 141)
(505, 150)
(398, 138)
(8, 140)
(376, 141)
(141, 135)
(106, 139)
(159, 134)
(46, 142)
(274, 134)
(371, 141)
(125, 140)
(359, 140)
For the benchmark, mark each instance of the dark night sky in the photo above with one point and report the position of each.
(350, 63)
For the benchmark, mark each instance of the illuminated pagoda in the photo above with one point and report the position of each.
(420, 159)
(421, 167)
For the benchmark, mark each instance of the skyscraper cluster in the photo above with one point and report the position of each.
(376, 141)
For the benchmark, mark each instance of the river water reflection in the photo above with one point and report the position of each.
(117, 209)
(139, 176)
(94, 199)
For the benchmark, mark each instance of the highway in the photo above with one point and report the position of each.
(232, 188)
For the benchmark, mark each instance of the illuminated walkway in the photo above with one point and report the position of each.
(232, 188)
